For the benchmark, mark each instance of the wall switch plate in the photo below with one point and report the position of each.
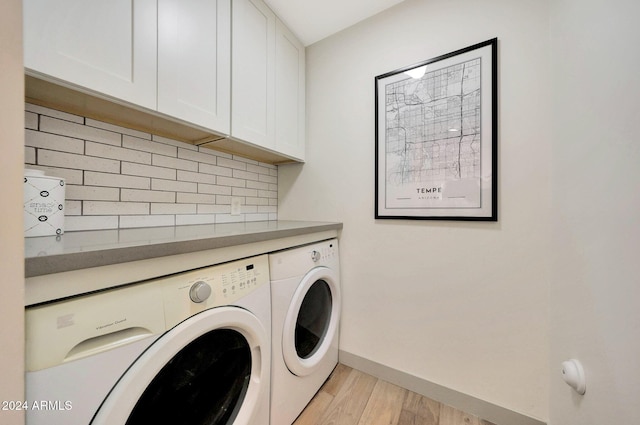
(236, 206)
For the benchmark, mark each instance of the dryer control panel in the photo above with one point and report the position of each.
(191, 292)
(324, 252)
(298, 261)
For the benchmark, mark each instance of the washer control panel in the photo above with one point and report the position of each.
(200, 291)
(188, 293)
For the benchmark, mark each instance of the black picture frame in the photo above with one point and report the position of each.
(436, 138)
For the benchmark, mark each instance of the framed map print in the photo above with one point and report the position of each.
(437, 138)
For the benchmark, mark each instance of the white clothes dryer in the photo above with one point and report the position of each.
(191, 348)
(306, 300)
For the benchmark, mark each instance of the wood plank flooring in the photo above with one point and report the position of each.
(351, 397)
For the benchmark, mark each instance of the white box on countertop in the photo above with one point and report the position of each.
(44, 198)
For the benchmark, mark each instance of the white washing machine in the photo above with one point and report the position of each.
(305, 302)
(191, 348)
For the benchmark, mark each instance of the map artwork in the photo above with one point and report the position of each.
(433, 138)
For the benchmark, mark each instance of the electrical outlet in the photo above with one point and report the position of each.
(236, 206)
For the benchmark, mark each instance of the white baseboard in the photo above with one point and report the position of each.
(483, 409)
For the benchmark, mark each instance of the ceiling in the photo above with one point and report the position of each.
(313, 20)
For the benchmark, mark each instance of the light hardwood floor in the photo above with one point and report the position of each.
(351, 397)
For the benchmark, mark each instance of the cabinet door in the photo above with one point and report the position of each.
(105, 46)
(194, 61)
(290, 93)
(252, 76)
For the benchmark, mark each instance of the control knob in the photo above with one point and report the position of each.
(315, 256)
(199, 291)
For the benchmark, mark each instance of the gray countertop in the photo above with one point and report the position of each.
(80, 250)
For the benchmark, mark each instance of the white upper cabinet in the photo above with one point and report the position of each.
(223, 67)
(253, 73)
(194, 61)
(105, 46)
(290, 93)
(268, 81)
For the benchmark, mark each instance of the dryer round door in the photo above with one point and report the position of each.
(210, 369)
(311, 323)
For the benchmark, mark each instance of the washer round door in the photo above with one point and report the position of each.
(210, 369)
(311, 324)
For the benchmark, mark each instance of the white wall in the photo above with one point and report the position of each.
(595, 289)
(11, 233)
(463, 305)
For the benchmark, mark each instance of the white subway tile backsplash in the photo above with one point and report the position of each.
(214, 209)
(241, 191)
(190, 176)
(123, 178)
(85, 222)
(131, 195)
(92, 178)
(215, 169)
(267, 194)
(142, 170)
(257, 185)
(224, 200)
(159, 208)
(213, 189)
(72, 208)
(175, 163)
(245, 175)
(30, 120)
(195, 198)
(268, 179)
(249, 209)
(79, 162)
(29, 155)
(148, 146)
(79, 131)
(256, 201)
(174, 186)
(114, 208)
(115, 152)
(229, 181)
(70, 176)
(92, 193)
(54, 142)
